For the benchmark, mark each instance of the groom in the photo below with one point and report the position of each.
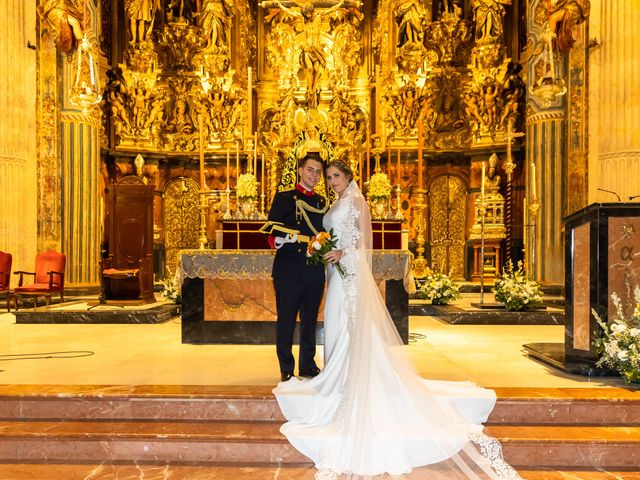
(295, 216)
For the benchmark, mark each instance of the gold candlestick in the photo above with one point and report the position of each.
(399, 215)
(420, 268)
(204, 204)
(533, 206)
(227, 199)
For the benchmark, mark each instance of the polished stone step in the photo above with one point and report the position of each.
(522, 406)
(176, 472)
(247, 443)
(456, 315)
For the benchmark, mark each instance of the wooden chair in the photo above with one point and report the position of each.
(5, 276)
(48, 278)
(127, 244)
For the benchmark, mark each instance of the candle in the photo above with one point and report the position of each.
(378, 109)
(482, 184)
(202, 185)
(399, 160)
(533, 180)
(262, 176)
(249, 101)
(420, 166)
(228, 168)
(255, 153)
(368, 160)
(237, 162)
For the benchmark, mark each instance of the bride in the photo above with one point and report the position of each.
(369, 412)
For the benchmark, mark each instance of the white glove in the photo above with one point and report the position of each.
(290, 238)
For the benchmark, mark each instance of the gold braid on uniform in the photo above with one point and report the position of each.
(303, 207)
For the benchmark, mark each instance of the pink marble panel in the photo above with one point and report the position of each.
(581, 282)
(624, 259)
(247, 300)
(239, 300)
(148, 450)
(143, 409)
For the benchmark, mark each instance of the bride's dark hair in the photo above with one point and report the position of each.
(343, 167)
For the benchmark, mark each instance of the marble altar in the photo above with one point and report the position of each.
(228, 296)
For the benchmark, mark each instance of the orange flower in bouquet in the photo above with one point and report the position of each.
(320, 244)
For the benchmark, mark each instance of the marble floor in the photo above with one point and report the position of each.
(489, 355)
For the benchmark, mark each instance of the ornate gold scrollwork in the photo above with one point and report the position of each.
(447, 221)
(181, 219)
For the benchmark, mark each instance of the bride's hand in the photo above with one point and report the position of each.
(333, 256)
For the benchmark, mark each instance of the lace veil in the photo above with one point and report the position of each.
(374, 422)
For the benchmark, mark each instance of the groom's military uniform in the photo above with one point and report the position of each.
(296, 216)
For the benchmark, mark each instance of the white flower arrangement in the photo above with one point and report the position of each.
(516, 290)
(247, 186)
(439, 288)
(379, 187)
(618, 345)
(171, 291)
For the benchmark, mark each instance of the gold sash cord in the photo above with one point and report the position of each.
(303, 207)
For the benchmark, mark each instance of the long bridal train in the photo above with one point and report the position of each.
(369, 412)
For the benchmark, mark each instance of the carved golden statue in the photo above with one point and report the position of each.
(63, 20)
(411, 17)
(311, 38)
(564, 16)
(489, 16)
(215, 20)
(141, 15)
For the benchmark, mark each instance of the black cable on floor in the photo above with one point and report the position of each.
(47, 355)
(414, 337)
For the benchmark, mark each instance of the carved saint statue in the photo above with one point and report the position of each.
(411, 17)
(141, 14)
(492, 182)
(564, 16)
(214, 20)
(311, 39)
(489, 16)
(62, 17)
(181, 121)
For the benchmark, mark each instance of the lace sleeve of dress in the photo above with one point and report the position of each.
(351, 229)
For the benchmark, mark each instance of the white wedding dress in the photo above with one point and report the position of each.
(369, 412)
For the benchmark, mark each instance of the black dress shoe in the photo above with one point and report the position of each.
(285, 376)
(309, 372)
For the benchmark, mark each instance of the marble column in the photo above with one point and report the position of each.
(545, 138)
(614, 100)
(18, 224)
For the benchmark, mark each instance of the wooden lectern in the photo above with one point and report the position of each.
(127, 248)
(601, 258)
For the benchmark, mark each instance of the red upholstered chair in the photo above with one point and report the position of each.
(5, 275)
(48, 277)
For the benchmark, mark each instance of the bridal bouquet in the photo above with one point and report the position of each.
(439, 288)
(320, 244)
(516, 290)
(618, 346)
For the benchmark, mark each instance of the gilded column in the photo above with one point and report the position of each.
(18, 225)
(614, 100)
(48, 160)
(69, 148)
(80, 223)
(546, 156)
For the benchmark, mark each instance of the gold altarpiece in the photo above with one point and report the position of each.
(244, 81)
